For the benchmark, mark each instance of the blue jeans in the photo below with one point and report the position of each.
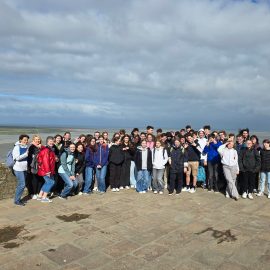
(20, 175)
(89, 171)
(133, 174)
(142, 180)
(69, 184)
(263, 177)
(49, 183)
(101, 174)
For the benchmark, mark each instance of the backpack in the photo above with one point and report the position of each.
(9, 159)
(201, 177)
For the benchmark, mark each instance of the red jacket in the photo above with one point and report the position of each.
(46, 161)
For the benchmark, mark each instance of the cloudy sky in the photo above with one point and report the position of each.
(131, 63)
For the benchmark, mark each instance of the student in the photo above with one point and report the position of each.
(202, 141)
(222, 136)
(188, 128)
(35, 179)
(46, 169)
(194, 153)
(265, 168)
(249, 164)
(229, 160)
(150, 141)
(143, 161)
(101, 162)
(256, 145)
(178, 161)
(20, 154)
(134, 132)
(207, 131)
(106, 137)
(96, 135)
(159, 159)
(116, 158)
(149, 130)
(128, 151)
(213, 161)
(245, 134)
(67, 171)
(159, 132)
(79, 165)
(66, 140)
(91, 149)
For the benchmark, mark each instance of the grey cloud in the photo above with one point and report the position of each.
(152, 59)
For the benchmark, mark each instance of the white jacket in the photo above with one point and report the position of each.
(229, 157)
(20, 159)
(158, 160)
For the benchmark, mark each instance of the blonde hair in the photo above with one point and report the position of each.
(36, 136)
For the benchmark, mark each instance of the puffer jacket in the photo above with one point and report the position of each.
(46, 161)
(179, 158)
(249, 160)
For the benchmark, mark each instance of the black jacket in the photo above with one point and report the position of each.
(33, 150)
(80, 162)
(128, 154)
(265, 160)
(178, 157)
(116, 155)
(249, 160)
(193, 153)
(138, 159)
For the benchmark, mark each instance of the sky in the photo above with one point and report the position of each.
(125, 63)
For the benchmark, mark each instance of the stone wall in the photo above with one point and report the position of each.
(7, 183)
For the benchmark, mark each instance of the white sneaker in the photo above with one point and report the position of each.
(144, 191)
(117, 189)
(121, 188)
(244, 195)
(132, 186)
(113, 189)
(161, 192)
(227, 196)
(192, 190)
(80, 193)
(127, 187)
(140, 192)
(250, 196)
(155, 192)
(34, 197)
(95, 189)
(259, 194)
(268, 196)
(184, 189)
(149, 188)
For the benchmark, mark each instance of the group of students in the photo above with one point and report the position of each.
(176, 161)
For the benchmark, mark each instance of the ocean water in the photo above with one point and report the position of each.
(8, 135)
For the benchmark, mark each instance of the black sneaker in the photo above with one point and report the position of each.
(20, 203)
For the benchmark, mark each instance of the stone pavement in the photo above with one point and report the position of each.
(127, 230)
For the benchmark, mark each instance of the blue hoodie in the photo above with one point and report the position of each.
(101, 156)
(212, 153)
(89, 158)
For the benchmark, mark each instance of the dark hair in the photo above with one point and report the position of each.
(143, 133)
(23, 136)
(266, 141)
(82, 135)
(207, 127)
(115, 139)
(168, 134)
(255, 137)
(188, 126)
(67, 132)
(182, 129)
(239, 135)
(134, 129)
(58, 135)
(245, 129)
(231, 135)
(149, 127)
(212, 135)
(78, 144)
(159, 130)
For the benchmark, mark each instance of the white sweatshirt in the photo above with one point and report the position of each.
(20, 160)
(229, 157)
(158, 161)
(202, 142)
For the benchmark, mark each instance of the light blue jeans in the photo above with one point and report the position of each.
(263, 177)
(69, 184)
(89, 171)
(101, 174)
(142, 180)
(20, 175)
(49, 183)
(133, 173)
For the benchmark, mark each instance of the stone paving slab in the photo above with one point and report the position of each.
(127, 230)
